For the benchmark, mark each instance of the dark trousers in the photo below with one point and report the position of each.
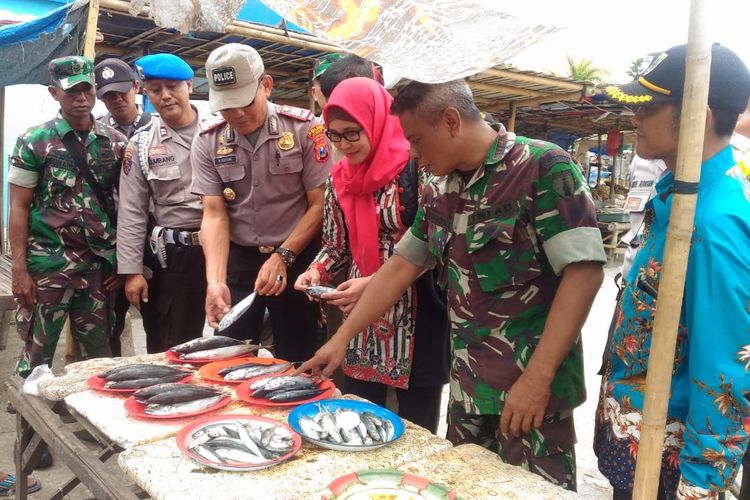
(175, 311)
(419, 405)
(618, 494)
(121, 307)
(294, 319)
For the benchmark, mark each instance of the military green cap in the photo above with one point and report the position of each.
(66, 72)
(321, 65)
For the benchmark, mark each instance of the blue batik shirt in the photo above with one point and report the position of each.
(708, 415)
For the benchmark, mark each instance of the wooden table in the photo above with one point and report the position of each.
(39, 426)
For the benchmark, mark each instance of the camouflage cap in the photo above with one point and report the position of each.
(67, 72)
(321, 65)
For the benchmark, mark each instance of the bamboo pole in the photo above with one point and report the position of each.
(599, 158)
(676, 251)
(91, 21)
(512, 119)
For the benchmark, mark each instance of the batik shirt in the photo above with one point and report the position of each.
(384, 351)
(708, 414)
(741, 149)
(501, 239)
(68, 228)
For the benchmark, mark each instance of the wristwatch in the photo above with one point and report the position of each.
(286, 254)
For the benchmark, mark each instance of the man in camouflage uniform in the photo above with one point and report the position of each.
(62, 234)
(511, 229)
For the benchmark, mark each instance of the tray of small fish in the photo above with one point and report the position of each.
(346, 425)
(129, 378)
(318, 290)
(209, 349)
(236, 371)
(386, 483)
(238, 442)
(175, 401)
(284, 390)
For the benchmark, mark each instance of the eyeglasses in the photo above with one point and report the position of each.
(349, 135)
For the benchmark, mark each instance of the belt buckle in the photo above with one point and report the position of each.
(265, 249)
(195, 238)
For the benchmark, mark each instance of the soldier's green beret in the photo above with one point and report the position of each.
(66, 72)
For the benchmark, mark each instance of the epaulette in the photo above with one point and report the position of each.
(210, 122)
(552, 157)
(304, 115)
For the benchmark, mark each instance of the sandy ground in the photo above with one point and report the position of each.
(591, 484)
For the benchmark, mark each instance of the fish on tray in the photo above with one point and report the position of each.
(213, 348)
(286, 388)
(318, 290)
(245, 371)
(141, 375)
(347, 427)
(240, 443)
(175, 399)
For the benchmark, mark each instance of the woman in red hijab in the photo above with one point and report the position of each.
(371, 200)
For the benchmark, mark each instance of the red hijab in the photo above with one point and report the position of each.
(369, 104)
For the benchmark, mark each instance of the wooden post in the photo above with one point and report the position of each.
(91, 22)
(599, 158)
(676, 251)
(512, 119)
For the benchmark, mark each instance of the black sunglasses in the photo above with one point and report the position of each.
(349, 135)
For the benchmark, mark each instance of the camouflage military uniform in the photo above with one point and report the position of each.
(501, 240)
(71, 243)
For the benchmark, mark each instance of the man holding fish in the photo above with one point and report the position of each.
(260, 173)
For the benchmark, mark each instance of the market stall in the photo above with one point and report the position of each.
(89, 428)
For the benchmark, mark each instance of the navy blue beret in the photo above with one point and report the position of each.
(163, 66)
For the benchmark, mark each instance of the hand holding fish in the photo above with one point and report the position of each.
(136, 290)
(309, 278)
(326, 359)
(268, 282)
(218, 301)
(347, 294)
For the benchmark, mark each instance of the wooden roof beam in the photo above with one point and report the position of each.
(531, 103)
(504, 89)
(533, 79)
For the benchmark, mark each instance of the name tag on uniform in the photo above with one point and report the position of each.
(638, 196)
(438, 219)
(160, 161)
(504, 210)
(225, 160)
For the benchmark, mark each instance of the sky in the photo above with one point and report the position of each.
(613, 34)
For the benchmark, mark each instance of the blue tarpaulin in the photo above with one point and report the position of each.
(26, 48)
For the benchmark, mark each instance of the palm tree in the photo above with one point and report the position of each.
(635, 67)
(585, 70)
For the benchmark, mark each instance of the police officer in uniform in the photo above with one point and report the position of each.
(116, 87)
(261, 174)
(156, 171)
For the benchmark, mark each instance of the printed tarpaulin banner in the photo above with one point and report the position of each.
(426, 40)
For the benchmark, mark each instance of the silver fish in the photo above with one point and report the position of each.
(205, 343)
(140, 371)
(139, 383)
(294, 395)
(187, 407)
(317, 291)
(235, 312)
(250, 372)
(286, 382)
(142, 395)
(231, 351)
(182, 394)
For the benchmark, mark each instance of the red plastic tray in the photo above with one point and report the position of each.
(211, 370)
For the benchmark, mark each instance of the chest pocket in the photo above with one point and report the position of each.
(166, 184)
(231, 172)
(60, 177)
(501, 253)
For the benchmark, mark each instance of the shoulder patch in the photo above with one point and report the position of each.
(551, 158)
(304, 115)
(210, 122)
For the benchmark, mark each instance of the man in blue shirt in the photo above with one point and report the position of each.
(708, 418)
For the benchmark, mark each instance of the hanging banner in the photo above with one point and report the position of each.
(426, 40)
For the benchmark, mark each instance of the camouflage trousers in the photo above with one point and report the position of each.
(548, 451)
(91, 317)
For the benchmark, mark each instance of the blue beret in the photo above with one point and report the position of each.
(163, 66)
